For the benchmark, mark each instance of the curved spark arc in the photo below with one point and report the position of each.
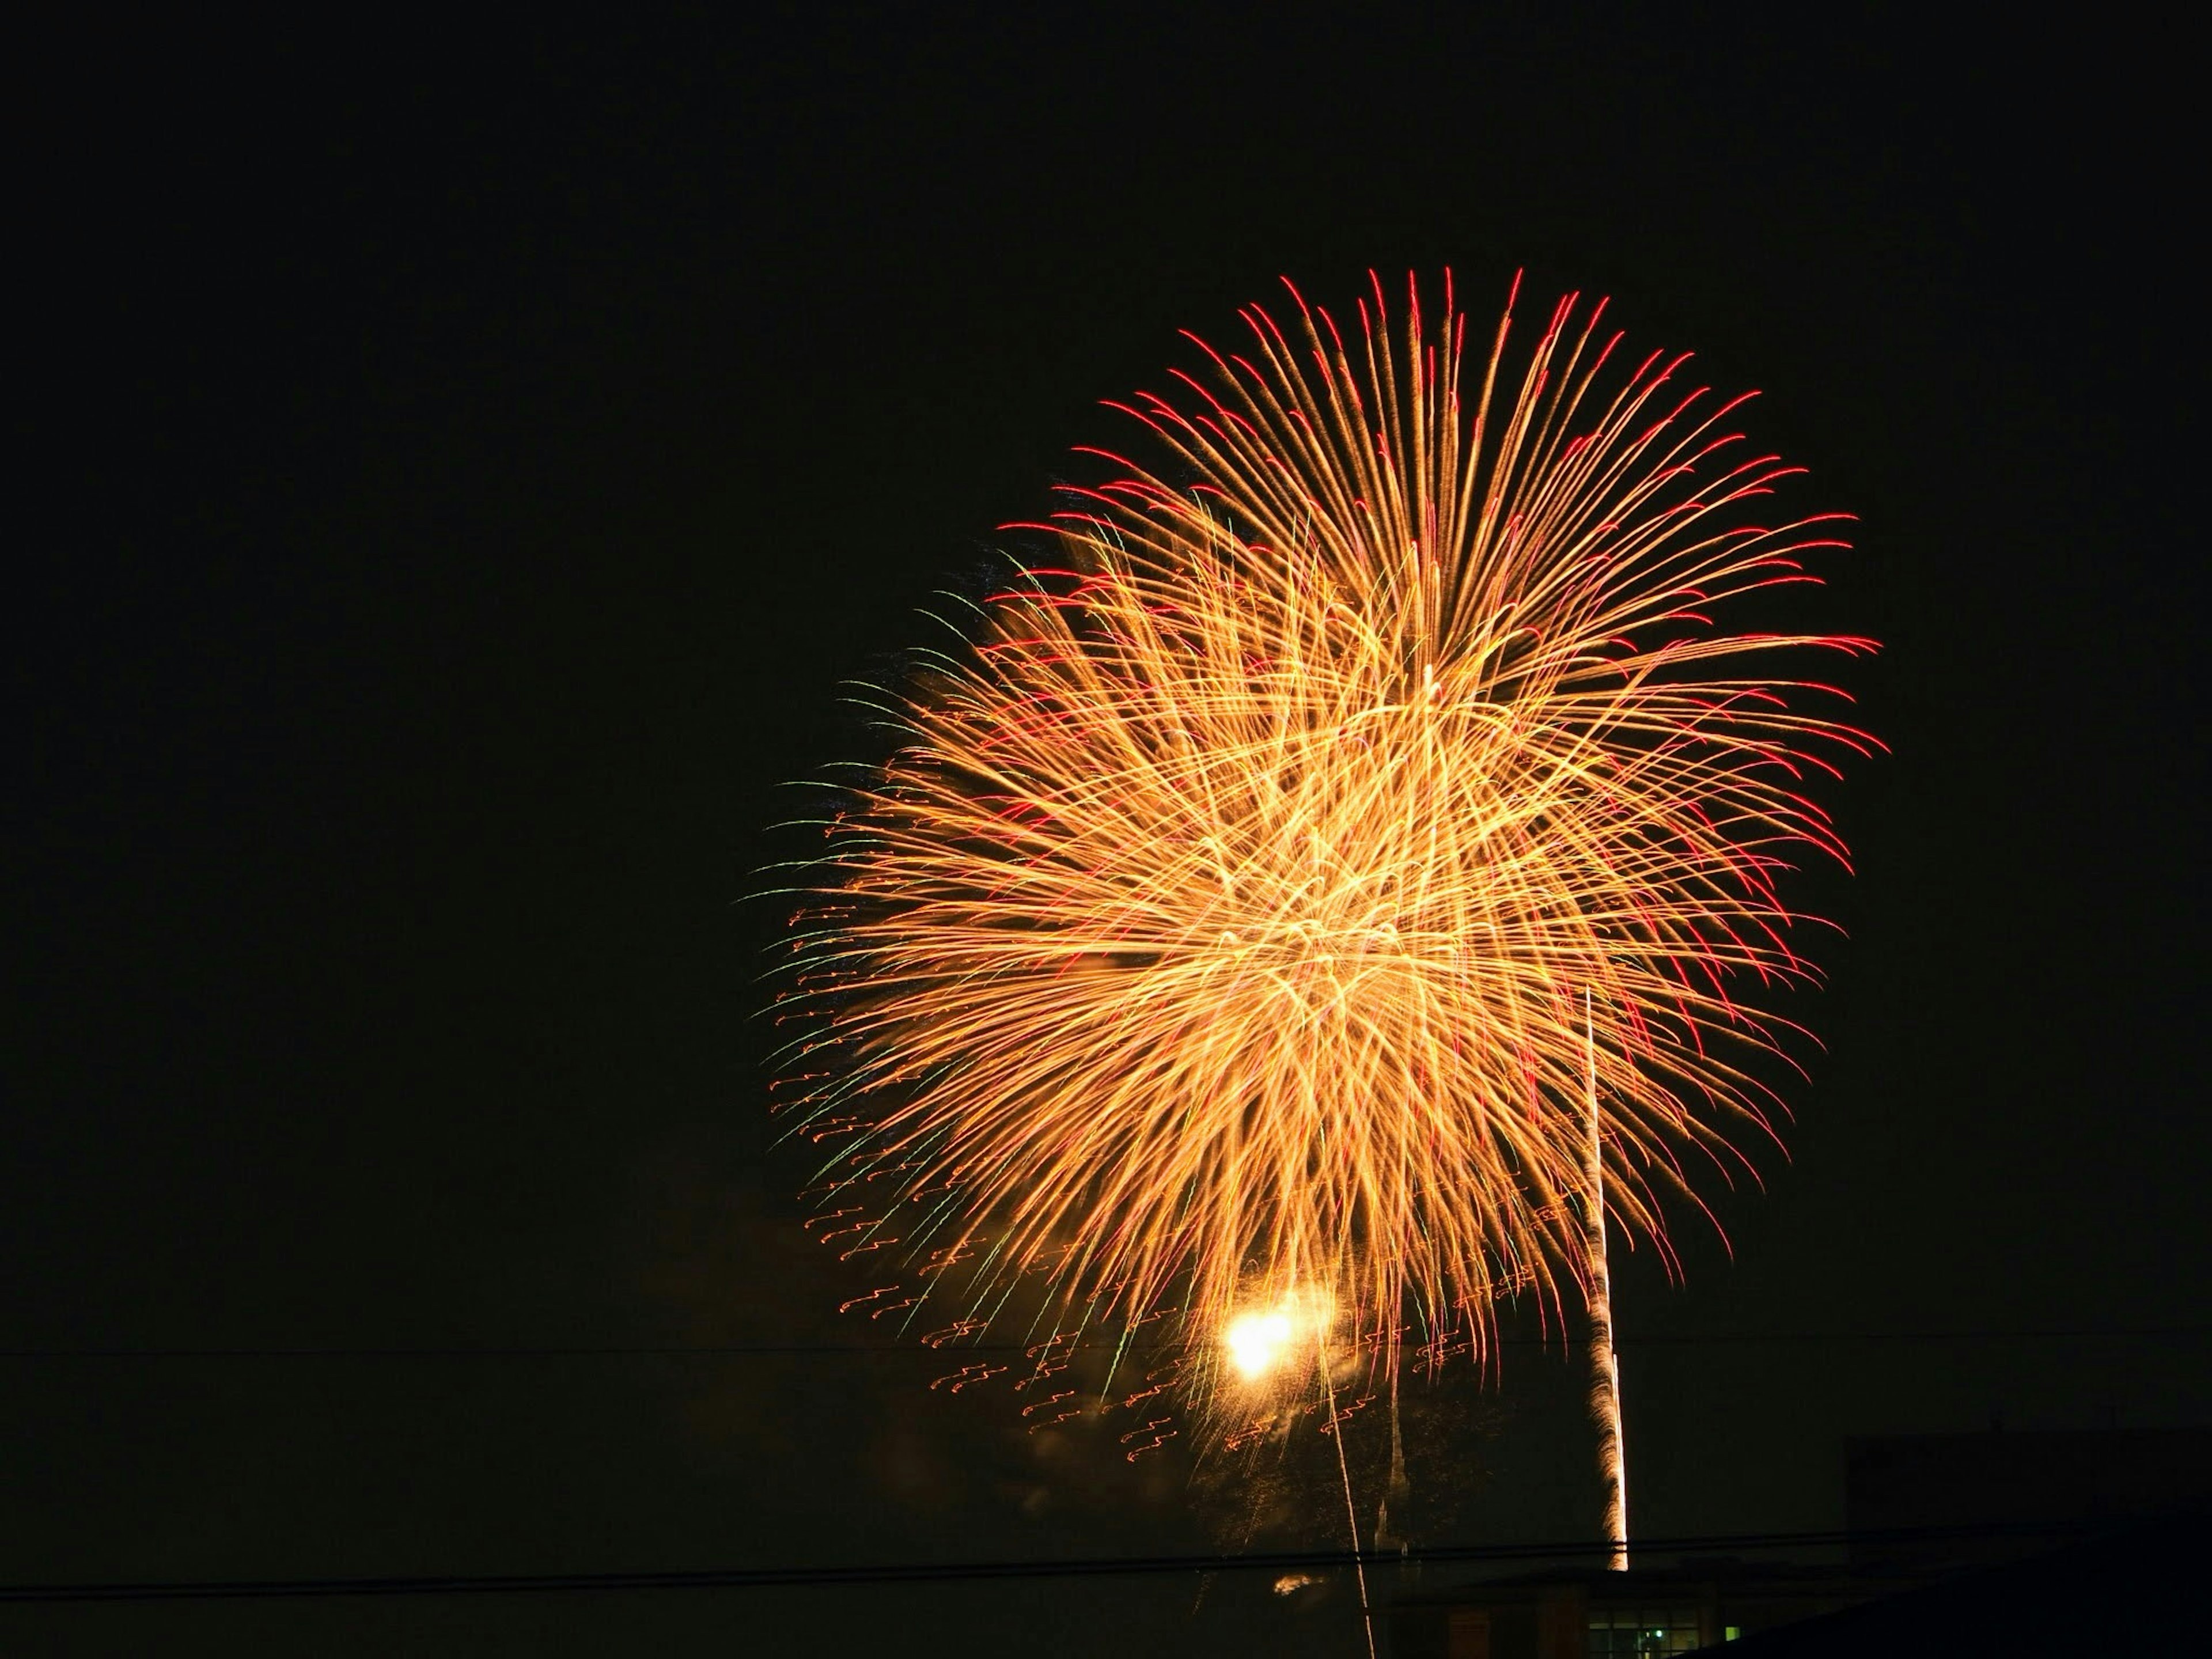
(1225, 924)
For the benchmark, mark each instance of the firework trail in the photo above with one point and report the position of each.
(1266, 895)
(1605, 1360)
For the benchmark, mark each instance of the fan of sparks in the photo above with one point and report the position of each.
(1256, 889)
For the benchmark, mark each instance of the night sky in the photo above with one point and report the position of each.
(460, 471)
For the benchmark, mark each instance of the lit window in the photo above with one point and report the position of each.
(1642, 1632)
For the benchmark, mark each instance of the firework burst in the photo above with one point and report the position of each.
(1232, 933)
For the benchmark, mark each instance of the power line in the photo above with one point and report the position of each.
(207, 1590)
(887, 1350)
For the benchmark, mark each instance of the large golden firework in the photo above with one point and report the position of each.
(1233, 934)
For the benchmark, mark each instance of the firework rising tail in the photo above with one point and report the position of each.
(1604, 1357)
(1261, 899)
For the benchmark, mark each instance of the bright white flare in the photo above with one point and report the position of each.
(1260, 1339)
(1256, 1341)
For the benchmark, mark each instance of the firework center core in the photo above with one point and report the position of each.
(1256, 1341)
(1260, 1339)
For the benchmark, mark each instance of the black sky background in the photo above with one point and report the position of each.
(461, 468)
